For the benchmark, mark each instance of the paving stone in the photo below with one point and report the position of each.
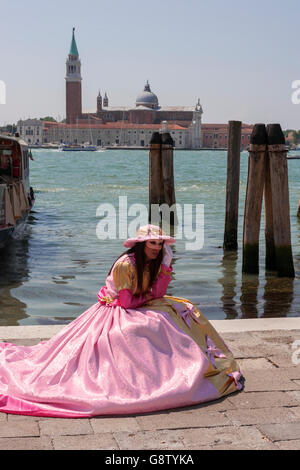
(197, 447)
(226, 436)
(269, 349)
(295, 395)
(296, 411)
(100, 425)
(64, 426)
(279, 340)
(264, 399)
(288, 445)
(261, 416)
(170, 439)
(24, 428)
(273, 342)
(184, 419)
(12, 418)
(25, 443)
(268, 380)
(244, 338)
(103, 441)
(257, 351)
(222, 404)
(283, 360)
(281, 432)
(244, 347)
(244, 446)
(293, 372)
(276, 336)
(3, 418)
(257, 363)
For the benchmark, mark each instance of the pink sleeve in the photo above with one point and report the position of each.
(128, 300)
(160, 286)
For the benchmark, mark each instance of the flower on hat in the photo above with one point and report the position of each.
(149, 232)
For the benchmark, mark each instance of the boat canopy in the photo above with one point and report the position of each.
(13, 160)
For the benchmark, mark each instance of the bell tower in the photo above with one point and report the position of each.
(73, 84)
(99, 104)
(195, 127)
(105, 101)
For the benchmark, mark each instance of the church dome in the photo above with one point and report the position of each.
(147, 98)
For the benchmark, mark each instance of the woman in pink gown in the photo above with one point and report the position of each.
(136, 350)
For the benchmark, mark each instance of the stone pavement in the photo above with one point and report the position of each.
(266, 415)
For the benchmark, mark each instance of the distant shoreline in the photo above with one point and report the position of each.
(56, 147)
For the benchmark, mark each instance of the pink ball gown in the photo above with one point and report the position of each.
(131, 352)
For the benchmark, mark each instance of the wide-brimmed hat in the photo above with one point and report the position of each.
(149, 232)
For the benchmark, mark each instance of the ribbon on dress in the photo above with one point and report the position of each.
(188, 314)
(212, 351)
(105, 299)
(238, 379)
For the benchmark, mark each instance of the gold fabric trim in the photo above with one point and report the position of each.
(107, 299)
(125, 277)
(200, 329)
(123, 274)
(166, 272)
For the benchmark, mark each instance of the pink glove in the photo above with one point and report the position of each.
(128, 300)
(168, 255)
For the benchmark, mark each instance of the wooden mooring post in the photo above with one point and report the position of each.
(277, 155)
(233, 185)
(298, 211)
(254, 197)
(270, 260)
(161, 178)
(155, 178)
(167, 148)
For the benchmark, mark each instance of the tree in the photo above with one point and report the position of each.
(48, 118)
(296, 136)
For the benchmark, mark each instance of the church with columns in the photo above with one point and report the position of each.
(120, 126)
(142, 118)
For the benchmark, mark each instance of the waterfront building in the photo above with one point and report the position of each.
(215, 136)
(32, 131)
(107, 135)
(132, 124)
(125, 126)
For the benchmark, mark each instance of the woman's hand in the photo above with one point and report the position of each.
(168, 255)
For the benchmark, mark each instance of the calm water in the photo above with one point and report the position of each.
(52, 271)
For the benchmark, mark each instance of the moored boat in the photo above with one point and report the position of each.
(90, 148)
(70, 147)
(78, 148)
(16, 194)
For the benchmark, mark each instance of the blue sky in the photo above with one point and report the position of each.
(239, 57)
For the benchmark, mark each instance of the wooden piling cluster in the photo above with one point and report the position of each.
(268, 180)
(268, 177)
(161, 176)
